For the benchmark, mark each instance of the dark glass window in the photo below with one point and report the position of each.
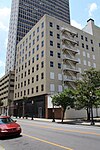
(58, 27)
(51, 53)
(59, 65)
(51, 43)
(51, 64)
(51, 33)
(50, 24)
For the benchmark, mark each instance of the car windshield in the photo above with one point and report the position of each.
(5, 120)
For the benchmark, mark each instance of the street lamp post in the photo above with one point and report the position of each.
(16, 109)
(53, 114)
(23, 109)
(32, 109)
(91, 107)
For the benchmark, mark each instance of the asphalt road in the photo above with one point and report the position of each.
(53, 136)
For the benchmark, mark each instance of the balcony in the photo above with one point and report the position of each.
(67, 38)
(70, 79)
(69, 68)
(70, 48)
(68, 30)
(68, 57)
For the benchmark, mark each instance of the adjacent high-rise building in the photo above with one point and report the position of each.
(24, 15)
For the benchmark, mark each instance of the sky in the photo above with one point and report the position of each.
(80, 12)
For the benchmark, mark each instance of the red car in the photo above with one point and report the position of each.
(8, 127)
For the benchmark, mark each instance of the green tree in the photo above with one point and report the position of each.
(86, 96)
(65, 100)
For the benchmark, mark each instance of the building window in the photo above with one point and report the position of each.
(59, 55)
(51, 33)
(24, 92)
(22, 75)
(42, 64)
(92, 49)
(37, 77)
(87, 47)
(42, 53)
(58, 45)
(81, 37)
(25, 74)
(42, 75)
(28, 91)
(58, 36)
(42, 43)
(33, 51)
(32, 90)
(51, 64)
(42, 87)
(52, 87)
(84, 54)
(32, 69)
(29, 62)
(51, 43)
(84, 62)
(37, 29)
(59, 65)
(86, 39)
(33, 42)
(37, 48)
(30, 37)
(51, 75)
(59, 88)
(88, 55)
(37, 57)
(24, 83)
(42, 34)
(33, 60)
(29, 72)
(91, 41)
(82, 45)
(32, 79)
(33, 33)
(58, 27)
(29, 45)
(37, 67)
(42, 25)
(50, 24)
(28, 81)
(36, 89)
(60, 77)
(37, 38)
(51, 53)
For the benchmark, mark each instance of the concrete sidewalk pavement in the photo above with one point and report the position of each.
(67, 121)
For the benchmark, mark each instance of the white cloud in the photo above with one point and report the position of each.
(92, 8)
(76, 24)
(4, 18)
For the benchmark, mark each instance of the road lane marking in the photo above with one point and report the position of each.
(60, 129)
(45, 141)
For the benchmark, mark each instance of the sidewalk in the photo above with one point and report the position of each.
(68, 121)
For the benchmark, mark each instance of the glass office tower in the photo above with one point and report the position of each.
(24, 15)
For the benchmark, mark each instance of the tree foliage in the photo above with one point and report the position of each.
(65, 100)
(87, 91)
